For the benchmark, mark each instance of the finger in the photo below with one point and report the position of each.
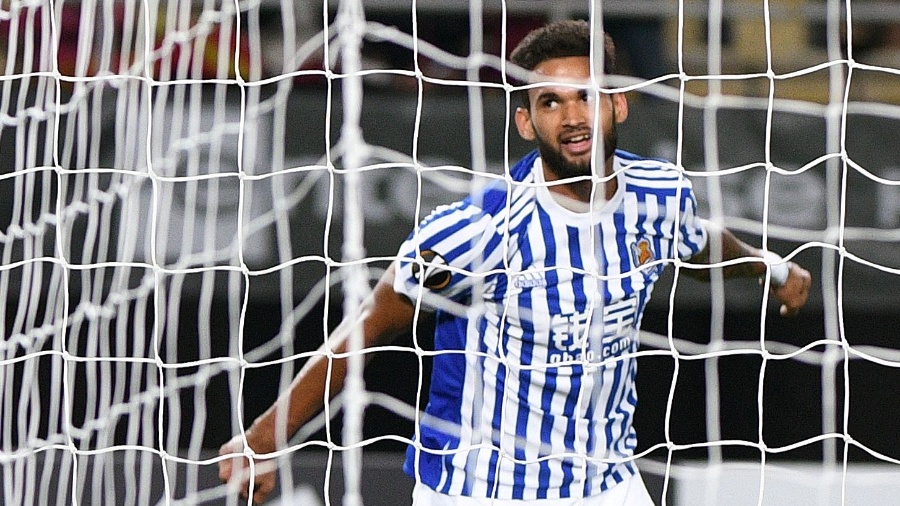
(236, 483)
(262, 490)
(230, 446)
(236, 477)
(225, 468)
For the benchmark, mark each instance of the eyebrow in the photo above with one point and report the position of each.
(553, 92)
(544, 95)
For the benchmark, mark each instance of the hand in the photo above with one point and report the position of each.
(793, 293)
(236, 471)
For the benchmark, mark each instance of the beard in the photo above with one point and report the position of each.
(555, 160)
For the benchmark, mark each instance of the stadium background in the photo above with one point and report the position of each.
(792, 406)
(870, 309)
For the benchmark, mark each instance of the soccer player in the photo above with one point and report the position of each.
(539, 394)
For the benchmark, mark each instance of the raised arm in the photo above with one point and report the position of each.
(789, 283)
(385, 315)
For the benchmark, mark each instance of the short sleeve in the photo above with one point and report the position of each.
(449, 249)
(692, 234)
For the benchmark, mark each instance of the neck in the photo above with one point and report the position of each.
(583, 191)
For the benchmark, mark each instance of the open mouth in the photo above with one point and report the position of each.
(577, 144)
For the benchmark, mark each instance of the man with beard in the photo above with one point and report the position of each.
(532, 394)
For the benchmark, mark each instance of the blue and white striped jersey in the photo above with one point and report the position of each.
(533, 389)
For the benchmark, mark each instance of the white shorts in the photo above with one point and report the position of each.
(630, 492)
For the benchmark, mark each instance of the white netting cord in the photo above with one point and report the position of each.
(28, 402)
(833, 262)
(716, 211)
(78, 151)
(281, 214)
(769, 164)
(351, 25)
(69, 192)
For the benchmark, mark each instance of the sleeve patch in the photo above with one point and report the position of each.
(433, 274)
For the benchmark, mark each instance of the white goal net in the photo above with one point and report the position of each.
(194, 192)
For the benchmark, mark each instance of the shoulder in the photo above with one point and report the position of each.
(494, 198)
(523, 168)
(637, 165)
(493, 201)
(650, 172)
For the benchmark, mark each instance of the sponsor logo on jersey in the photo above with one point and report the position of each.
(570, 334)
(432, 273)
(642, 252)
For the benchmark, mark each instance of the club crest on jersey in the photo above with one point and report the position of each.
(642, 252)
(432, 274)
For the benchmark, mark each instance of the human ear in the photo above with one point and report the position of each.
(620, 105)
(524, 125)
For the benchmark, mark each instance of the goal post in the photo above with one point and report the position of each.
(193, 194)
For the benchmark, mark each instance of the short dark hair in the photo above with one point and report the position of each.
(559, 40)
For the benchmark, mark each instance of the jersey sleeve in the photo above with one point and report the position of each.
(451, 248)
(692, 234)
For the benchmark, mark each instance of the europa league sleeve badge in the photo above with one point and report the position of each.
(432, 271)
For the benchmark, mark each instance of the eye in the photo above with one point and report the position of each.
(587, 96)
(550, 103)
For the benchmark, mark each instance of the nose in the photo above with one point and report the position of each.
(576, 113)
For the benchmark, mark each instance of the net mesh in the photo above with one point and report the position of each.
(192, 193)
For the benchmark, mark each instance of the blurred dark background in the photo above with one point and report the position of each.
(837, 216)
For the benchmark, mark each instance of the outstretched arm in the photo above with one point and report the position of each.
(790, 286)
(385, 315)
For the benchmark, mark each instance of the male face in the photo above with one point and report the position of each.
(561, 118)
